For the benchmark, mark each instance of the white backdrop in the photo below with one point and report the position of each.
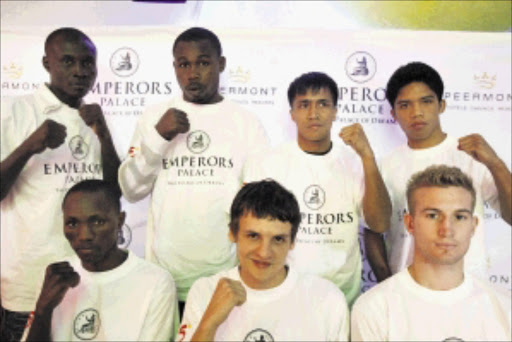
(476, 68)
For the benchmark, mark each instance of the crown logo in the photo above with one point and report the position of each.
(239, 75)
(13, 71)
(485, 81)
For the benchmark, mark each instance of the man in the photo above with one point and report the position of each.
(335, 191)
(434, 299)
(415, 92)
(263, 299)
(104, 293)
(188, 154)
(49, 141)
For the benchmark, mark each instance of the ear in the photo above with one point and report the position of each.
(175, 64)
(46, 65)
(442, 105)
(474, 223)
(222, 63)
(122, 218)
(409, 223)
(392, 112)
(231, 237)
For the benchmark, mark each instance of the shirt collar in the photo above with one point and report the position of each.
(49, 102)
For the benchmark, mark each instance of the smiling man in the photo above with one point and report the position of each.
(434, 299)
(415, 92)
(49, 141)
(188, 154)
(263, 298)
(337, 185)
(104, 293)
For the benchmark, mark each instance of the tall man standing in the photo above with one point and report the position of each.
(336, 184)
(188, 154)
(50, 140)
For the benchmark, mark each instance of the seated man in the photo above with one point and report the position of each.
(435, 299)
(262, 299)
(106, 294)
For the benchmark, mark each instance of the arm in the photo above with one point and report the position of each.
(376, 254)
(478, 148)
(94, 118)
(58, 279)
(50, 134)
(376, 202)
(140, 169)
(161, 319)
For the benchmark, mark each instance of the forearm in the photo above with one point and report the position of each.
(11, 167)
(376, 202)
(503, 180)
(376, 254)
(40, 330)
(110, 160)
(204, 332)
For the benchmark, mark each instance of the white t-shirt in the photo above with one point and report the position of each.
(31, 219)
(400, 165)
(399, 309)
(192, 180)
(302, 308)
(329, 189)
(136, 301)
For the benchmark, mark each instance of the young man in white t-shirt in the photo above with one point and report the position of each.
(415, 93)
(337, 184)
(434, 299)
(49, 141)
(105, 293)
(188, 153)
(263, 299)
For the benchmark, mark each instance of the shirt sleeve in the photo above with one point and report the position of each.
(161, 321)
(489, 190)
(341, 318)
(197, 300)
(368, 321)
(139, 170)
(12, 135)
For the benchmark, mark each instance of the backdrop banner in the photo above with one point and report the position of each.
(135, 70)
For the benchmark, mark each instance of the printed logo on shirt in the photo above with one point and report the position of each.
(87, 324)
(124, 238)
(314, 197)
(360, 67)
(453, 339)
(198, 142)
(183, 331)
(124, 62)
(259, 335)
(79, 148)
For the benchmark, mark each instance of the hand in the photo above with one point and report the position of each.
(355, 137)
(228, 294)
(173, 122)
(476, 146)
(59, 277)
(50, 134)
(94, 118)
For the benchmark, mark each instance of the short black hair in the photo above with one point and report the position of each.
(69, 33)
(314, 81)
(265, 199)
(414, 72)
(109, 189)
(196, 34)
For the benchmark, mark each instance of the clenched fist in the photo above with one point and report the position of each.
(50, 134)
(94, 118)
(172, 123)
(355, 137)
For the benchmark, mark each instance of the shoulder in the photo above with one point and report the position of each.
(207, 285)
(314, 284)
(152, 274)
(154, 111)
(378, 296)
(496, 294)
(396, 154)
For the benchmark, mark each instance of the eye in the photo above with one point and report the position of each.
(279, 239)
(88, 63)
(402, 106)
(432, 216)
(71, 224)
(303, 105)
(67, 60)
(252, 236)
(184, 65)
(461, 217)
(204, 64)
(427, 101)
(98, 221)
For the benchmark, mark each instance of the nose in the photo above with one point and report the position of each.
(193, 72)
(312, 112)
(80, 70)
(445, 228)
(85, 233)
(417, 110)
(264, 250)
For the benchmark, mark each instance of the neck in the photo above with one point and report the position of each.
(433, 140)
(73, 102)
(112, 260)
(315, 147)
(437, 277)
(212, 100)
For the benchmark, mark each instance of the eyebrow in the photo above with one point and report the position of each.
(462, 210)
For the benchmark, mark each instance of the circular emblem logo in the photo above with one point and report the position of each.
(259, 335)
(314, 197)
(125, 236)
(198, 141)
(87, 324)
(360, 67)
(124, 62)
(79, 149)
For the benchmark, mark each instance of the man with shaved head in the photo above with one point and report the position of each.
(50, 140)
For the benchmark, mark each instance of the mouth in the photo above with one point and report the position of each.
(194, 87)
(446, 245)
(261, 264)
(418, 125)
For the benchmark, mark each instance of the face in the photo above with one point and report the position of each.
(262, 247)
(91, 225)
(314, 113)
(72, 68)
(198, 68)
(417, 110)
(442, 225)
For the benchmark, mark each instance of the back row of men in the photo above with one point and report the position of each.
(192, 154)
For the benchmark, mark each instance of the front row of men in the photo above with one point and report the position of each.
(110, 294)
